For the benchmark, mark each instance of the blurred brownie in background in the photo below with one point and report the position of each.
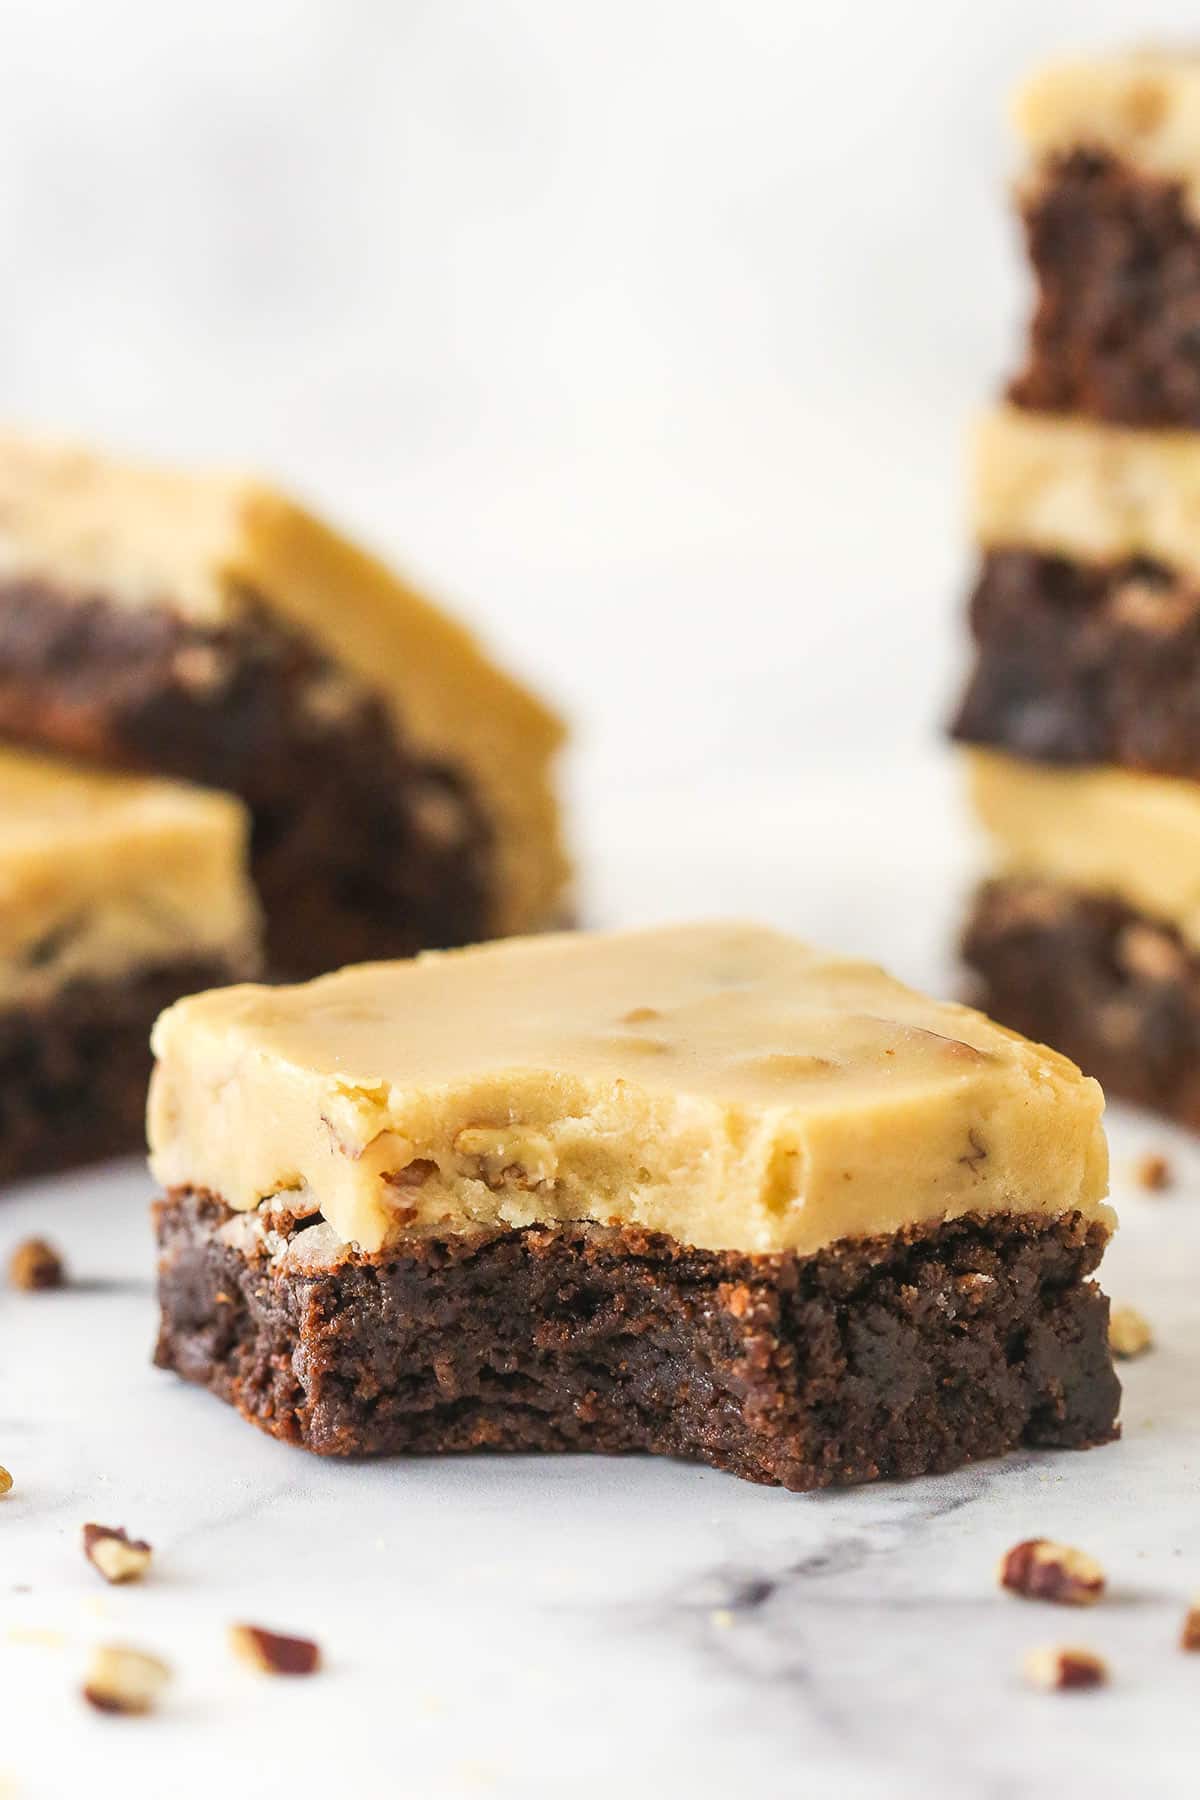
(1111, 206)
(205, 627)
(117, 896)
(1082, 709)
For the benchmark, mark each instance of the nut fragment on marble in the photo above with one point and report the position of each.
(1059, 1666)
(1129, 1332)
(114, 1554)
(35, 1265)
(1152, 1172)
(121, 1679)
(1039, 1569)
(273, 1653)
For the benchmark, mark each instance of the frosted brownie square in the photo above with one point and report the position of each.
(1111, 203)
(698, 1190)
(117, 895)
(205, 627)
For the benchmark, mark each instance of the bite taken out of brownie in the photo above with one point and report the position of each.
(696, 1190)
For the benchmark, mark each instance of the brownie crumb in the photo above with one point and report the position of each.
(1040, 1570)
(35, 1265)
(1152, 1172)
(272, 1653)
(114, 1554)
(1189, 1637)
(123, 1680)
(1129, 1332)
(1059, 1667)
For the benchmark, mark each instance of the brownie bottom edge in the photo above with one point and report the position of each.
(883, 1357)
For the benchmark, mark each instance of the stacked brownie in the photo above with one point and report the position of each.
(698, 1190)
(388, 787)
(1083, 708)
(117, 895)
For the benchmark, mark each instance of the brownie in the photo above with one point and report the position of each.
(359, 847)
(1111, 987)
(700, 1190)
(205, 627)
(1116, 330)
(74, 1067)
(1081, 662)
(898, 1355)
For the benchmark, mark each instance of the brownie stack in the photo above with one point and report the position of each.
(198, 675)
(1083, 707)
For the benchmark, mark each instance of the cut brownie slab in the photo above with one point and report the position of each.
(1089, 936)
(1112, 216)
(697, 1190)
(117, 895)
(205, 627)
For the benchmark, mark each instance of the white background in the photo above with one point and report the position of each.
(647, 330)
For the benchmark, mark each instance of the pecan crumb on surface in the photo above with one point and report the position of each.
(272, 1653)
(1152, 1172)
(123, 1680)
(1129, 1333)
(1189, 1637)
(1059, 1667)
(116, 1555)
(1041, 1570)
(35, 1265)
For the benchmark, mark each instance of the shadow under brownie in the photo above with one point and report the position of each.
(698, 1191)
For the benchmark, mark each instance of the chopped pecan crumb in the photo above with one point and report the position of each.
(1129, 1334)
(34, 1265)
(1041, 1570)
(123, 1680)
(1189, 1637)
(273, 1653)
(5, 1482)
(116, 1555)
(1152, 1172)
(413, 1175)
(1058, 1667)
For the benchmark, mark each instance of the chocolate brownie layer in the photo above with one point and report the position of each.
(884, 1356)
(1078, 663)
(1116, 330)
(1116, 990)
(74, 1068)
(360, 849)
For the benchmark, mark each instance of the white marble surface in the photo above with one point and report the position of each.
(539, 1628)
